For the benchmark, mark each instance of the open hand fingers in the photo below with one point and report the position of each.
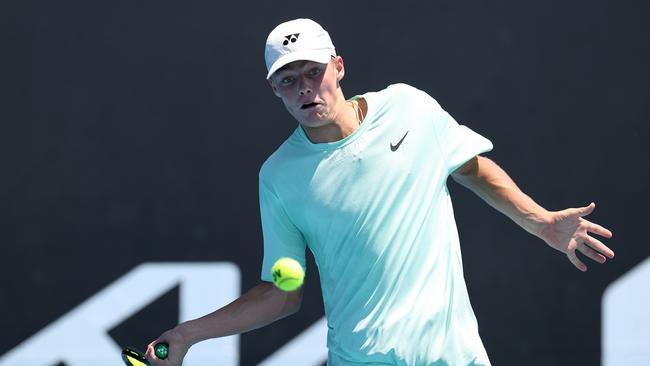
(598, 230)
(589, 252)
(599, 246)
(591, 248)
(576, 261)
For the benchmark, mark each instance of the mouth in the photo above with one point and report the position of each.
(309, 105)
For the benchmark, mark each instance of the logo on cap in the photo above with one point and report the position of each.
(290, 38)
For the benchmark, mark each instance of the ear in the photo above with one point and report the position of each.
(340, 68)
(273, 87)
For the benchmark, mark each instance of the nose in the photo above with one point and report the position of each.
(303, 88)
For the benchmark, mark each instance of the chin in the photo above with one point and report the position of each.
(313, 121)
(312, 124)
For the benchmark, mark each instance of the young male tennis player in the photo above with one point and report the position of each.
(361, 182)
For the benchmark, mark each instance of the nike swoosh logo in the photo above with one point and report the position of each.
(396, 146)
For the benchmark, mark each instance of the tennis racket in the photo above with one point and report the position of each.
(134, 357)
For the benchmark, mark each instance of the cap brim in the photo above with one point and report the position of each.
(320, 56)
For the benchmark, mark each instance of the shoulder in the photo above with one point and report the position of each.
(396, 91)
(402, 92)
(278, 161)
(273, 163)
(402, 88)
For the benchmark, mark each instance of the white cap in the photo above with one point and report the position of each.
(298, 39)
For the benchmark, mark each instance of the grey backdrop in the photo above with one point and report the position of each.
(133, 131)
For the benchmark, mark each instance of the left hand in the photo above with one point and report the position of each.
(568, 232)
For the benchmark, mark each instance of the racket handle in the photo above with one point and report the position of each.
(161, 350)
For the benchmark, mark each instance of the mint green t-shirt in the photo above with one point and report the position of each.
(375, 211)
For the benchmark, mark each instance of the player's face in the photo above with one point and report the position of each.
(310, 90)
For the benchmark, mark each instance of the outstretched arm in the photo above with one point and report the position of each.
(565, 230)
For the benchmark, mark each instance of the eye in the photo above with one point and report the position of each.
(286, 80)
(315, 71)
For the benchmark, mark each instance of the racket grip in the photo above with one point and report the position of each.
(161, 350)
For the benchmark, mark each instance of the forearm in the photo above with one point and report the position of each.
(493, 185)
(258, 307)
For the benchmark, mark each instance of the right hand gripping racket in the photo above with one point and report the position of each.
(133, 357)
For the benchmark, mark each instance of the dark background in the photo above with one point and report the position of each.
(133, 131)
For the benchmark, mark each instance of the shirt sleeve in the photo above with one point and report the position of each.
(458, 143)
(281, 237)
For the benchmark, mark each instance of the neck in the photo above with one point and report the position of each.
(346, 120)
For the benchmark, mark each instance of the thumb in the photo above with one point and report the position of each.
(150, 353)
(584, 211)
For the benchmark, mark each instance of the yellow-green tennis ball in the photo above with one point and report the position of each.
(288, 274)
